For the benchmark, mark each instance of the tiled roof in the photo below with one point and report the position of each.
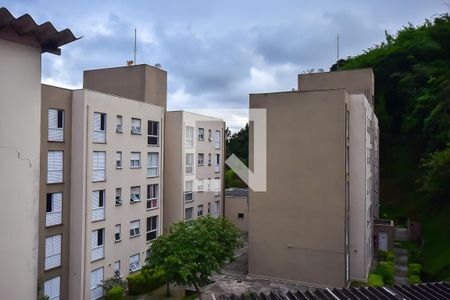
(47, 36)
(428, 291)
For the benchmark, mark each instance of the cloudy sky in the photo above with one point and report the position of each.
(216, 52)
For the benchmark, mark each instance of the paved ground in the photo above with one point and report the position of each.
(401, 265)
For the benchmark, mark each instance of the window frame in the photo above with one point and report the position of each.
(133, 160)
(151, 134)
(138, 194)
(135, 231)
(151, 167)
(152, 198)
(136, 130)
(150, 231)
(189, 137)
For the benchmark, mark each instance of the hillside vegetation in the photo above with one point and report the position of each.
(412, 102)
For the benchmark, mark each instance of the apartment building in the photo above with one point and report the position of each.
(313, 225)
(22, 42)
(194, 166)
(101, 197)
(236, 207)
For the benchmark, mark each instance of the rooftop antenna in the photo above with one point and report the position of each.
(337, 53)
(135, 34)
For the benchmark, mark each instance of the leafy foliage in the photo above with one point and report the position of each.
(145, 281)
(192, 251)
(375, 280)
(412, 78)
(115, 293)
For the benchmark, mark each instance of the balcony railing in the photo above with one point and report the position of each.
(98, 214)
(53, 218)
(97, 253)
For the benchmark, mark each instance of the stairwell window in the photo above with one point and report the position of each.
(53, 251)
(135, 228)
(98, 166)
(97, 244)
(189, 163)
(135, 161)
(98, 205)
(135, 126)
(152, 196)
(188, 191)
(152, 228)
(99, 134)
(153, 164)
(55, 125)
(189, 137)
(153, 133)
(53, 211)
(55, 166)
(135, 194)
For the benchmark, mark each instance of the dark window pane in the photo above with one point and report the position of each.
(102, 121)
(101, 195)
(49, 203)
(60, 118)
(152, 140)
(148, 224)
(154, 222)
(100, 237)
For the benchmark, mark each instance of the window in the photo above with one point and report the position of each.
(53, 210)
(55, 167)
(201, 159)
(98, 205)
(135, 228)
(217, 165)
(152, 196)
(209, 159)
(209, 208)
(53, 251)
(135, 160)
(55, 125)
(200, 185)
(135, 194)
(52, 288)
(209, 184)
(201, 134)
(152, 228)
(119, 124)
(217, 139)
(189, 137)
(217, 186)
(188, 191)
(99, 135)
(240, 215)
(153, 133)
(118, 196)
(98, 166)
(199, 210)
(135, 264)
(119, 160)
(97, 244)
(153, 164)
(117, 233)
(217, 206)
(189, 163)
(117, 273)
(209, 135)
(188, 212)
(135, 126)
(96, 283)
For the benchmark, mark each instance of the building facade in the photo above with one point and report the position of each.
(300, 229)
(236, 207)
(194, 166)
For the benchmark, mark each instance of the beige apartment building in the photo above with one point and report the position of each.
(194, 166)
(101, 198)
(314, 223)
(22, 42)
(236, 207)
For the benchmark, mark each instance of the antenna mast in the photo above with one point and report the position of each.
(135, 46)
(337, 52)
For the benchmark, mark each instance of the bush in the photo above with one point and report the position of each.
(145, 281)
(390, 256)
(386, 270)
(414, 279)
(414, 269)
(375, 280)
(116, 293)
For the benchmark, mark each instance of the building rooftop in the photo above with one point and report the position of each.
(236, 192)
(24, 30)
(436, 290)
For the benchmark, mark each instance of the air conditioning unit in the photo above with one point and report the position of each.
(135, 130)
(118, 274)
(119, 128)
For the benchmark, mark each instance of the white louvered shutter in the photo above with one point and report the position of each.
(52, 288)
(54, 166)
(96, 281)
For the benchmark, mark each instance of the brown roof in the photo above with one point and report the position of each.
(25, 30)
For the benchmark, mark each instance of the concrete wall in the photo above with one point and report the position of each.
(20, 114)
(235, 206)
(85, 104)
(297, 228)
(140, 82)
(58, 98)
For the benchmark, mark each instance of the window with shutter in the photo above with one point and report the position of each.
(135, 126)
(152, 196)
(152, 228)
(201, 134)
(55, 125)
(98, 205)
(53, 251)
(98, 166)
(97, 244)
(53, 215)
(96, 283)
(188, 187)
(117, 237)
(118, 200)
(189, 137)
(135, 160)
(153, 133)
(135, 228)
(217, 139)
(135, 264)
(153, 164)
(52, 288)
(135, 194)
(189, 163)
(55, 167)
(199, 210)
(99, 134)
(119, 126)
(119, 160)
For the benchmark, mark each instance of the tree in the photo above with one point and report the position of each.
(192, 251)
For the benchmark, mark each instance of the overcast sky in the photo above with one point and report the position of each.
(216, 52)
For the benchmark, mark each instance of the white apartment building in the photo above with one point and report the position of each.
(194, 166)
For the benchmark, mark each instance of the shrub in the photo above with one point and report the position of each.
(145, 281)
(115, 293)
(414, 269)
(375, 280)
(414, 279)
(387, 271)
(390, 256)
